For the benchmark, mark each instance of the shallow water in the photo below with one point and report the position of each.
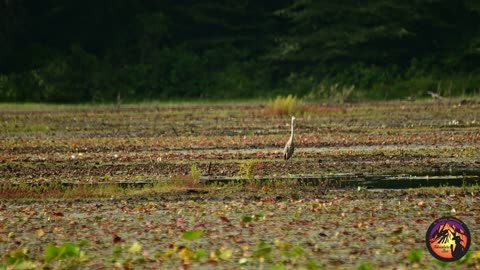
(375, 181)
(336, 181)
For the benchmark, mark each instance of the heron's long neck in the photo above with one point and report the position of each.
(291, 135)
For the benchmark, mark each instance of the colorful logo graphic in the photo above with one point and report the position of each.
(448, 239)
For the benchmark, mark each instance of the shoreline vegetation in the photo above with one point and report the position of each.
(141, 51)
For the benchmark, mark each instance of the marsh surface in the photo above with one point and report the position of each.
(343, 201)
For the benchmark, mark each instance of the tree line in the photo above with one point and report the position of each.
(97, 51)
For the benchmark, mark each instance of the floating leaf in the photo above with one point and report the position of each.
(224, 219)
(16, 256)
(51, 252)
(66, 250)
(264, 250)
(294, 252)
(224, 253)
(477, 256)
(69, 250)
(398, 230)
(117, 239)
(40, 232)
(365, 266)
(192, 235)
(135, 248)
(201, 253)
(251, 218)
(186, 254)
(243, 261)
(58, 214)
(247, 218)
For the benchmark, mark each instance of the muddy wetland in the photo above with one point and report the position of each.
(205, 186)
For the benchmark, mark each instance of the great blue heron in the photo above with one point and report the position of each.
(289, 147)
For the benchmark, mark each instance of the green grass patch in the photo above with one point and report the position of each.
(289, 105)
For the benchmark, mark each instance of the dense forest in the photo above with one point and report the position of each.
(98, 51)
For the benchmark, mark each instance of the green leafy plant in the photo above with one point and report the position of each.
(250, 218)
(313, 265)
(135, 248)
(415, 255)
(187, 253)
(365, 266)
(223, 253)
(127, 257)
(467, 259)
(263, 251)
(188, 181)
(292, 251)
(18, 259)
(195, 173)
(247, 169)
(67, 253)
(192, 235)
(247, 172)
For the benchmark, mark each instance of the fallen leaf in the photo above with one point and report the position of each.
(40, 233)
(117, 239)
(135, 248)
(224, 219)
(398, 230)
(57, 214)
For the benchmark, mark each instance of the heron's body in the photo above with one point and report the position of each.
(289, 147)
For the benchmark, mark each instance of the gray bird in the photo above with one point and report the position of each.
(289, 147)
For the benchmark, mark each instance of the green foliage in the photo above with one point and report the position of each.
(263, 251)
(8, 91)
(192, 235)
(237, 81)
(200, 254)
(224, 253)
(247, 218)
(67, 253)
(415, 255)
(467, 259)
(377, 32)
(127, 257)
(65, 78)
(135, 248)
(19, 259)
(195, 173)
(251, 218)
(289, 105)
(365, 266)
(332, 92)
(144, 50)
(247, 169)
